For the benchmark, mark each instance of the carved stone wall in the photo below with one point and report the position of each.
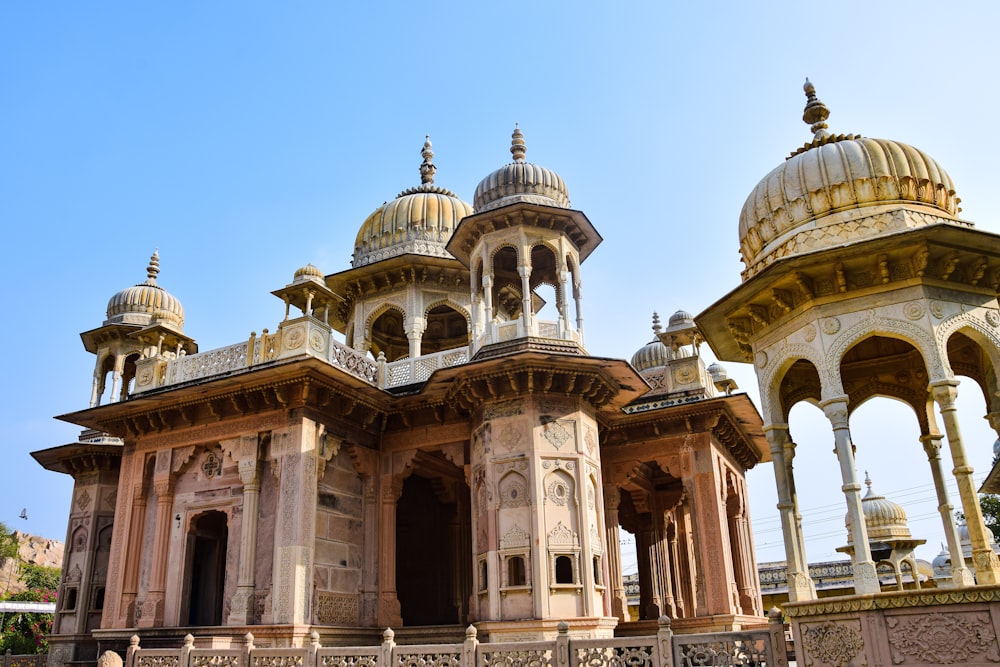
(339, 543)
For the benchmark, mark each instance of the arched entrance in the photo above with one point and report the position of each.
(433, 577)
(206, 568)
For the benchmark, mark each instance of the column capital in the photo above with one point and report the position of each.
(944, 392)
(932, 444)
(835, 409)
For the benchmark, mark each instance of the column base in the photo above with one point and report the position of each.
(866, 578)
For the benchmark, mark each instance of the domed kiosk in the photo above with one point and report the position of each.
(861, 282)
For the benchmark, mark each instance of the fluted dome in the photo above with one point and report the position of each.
(307, 272)
(419, 221)
(815, 199)
(680, 318)
(520, 181)
(653, 354)
(144, 302)
(884, 519)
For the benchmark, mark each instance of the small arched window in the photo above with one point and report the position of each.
(515, 571)
(564, 570)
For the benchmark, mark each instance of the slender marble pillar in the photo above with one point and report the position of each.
(985, 562)
(865, 576)
(960, 574)
(800, 585)
(242, 602)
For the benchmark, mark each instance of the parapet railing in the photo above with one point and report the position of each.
(24, 660)
(760, 648)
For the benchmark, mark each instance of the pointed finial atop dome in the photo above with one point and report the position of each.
(153, 268)
(868, 480)
(815, 112)
(517, 147)
(656, 323)
(427, 167)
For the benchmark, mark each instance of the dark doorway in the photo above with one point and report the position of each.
(207, 568)
(427, 549)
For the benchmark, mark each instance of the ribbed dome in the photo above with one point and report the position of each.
(827, 182)
(307, 272)
(418, 221)
(520, 181)
(139, 304)
(653, 354)
(884, 519)
(681, 317)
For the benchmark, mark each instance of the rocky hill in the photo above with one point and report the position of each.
(34, 550)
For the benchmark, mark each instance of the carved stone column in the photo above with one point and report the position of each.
(800, 585)
(389, 611)
(152, 606)
(241, 605)
(619, 603)
(525, 272)
(133, 559)
(865, 576)
(960, 574)
(985, 562)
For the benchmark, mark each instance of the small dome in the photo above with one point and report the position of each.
(308, 272)
(144, 302)
(680, 318)
(884, 519)
(653, 354)
(717, 371)
(418, 221)
(942, 560)
(834, 180)
(520, 181)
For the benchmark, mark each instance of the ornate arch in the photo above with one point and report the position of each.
(380, 310)
(447, 301)
(986, 336)
(773, 372)
(911, 333)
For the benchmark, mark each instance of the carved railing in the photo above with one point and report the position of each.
(760, 648)
(24, 660)
(206, 364)
(353, 362)
(409, 371)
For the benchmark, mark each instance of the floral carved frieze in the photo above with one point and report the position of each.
(942, 638)
(832, 643)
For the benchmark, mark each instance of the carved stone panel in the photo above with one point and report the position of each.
(957, 638)
(833, 643)
(337, 609)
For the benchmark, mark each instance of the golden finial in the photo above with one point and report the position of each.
(656, 323)
(153, 268)
(517, 147)
(427, 167)
(815, 112)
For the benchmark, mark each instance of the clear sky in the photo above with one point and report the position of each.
(246, 139)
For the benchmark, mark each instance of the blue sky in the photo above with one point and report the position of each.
(246, 139)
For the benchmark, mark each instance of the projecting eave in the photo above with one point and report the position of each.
(943, 255)
(78, 456)
(574, 224)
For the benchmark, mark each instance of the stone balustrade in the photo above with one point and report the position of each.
(26, 660)
(765, 647)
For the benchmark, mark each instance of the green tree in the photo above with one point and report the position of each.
(8, 542)
(39, 577)
(991, 511)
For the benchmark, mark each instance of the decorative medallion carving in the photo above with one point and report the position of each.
(760, 359)
(832, 642)
(942, 638)
(684, 375)
(295, 337)
(830, 325)
(937, 309)
(509, 436)
(558, 492)
(556, 433)
(913, 310)
(992, 318)
(212, 465)
(809, 333)
(83, 500)
(513, 493)
(316, 341)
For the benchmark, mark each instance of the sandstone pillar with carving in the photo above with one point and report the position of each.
(960, 574)
(295, 451)
(152, 606)
(865, 576)
(800, 585)
(389, 611)
(619, 603)
(133, 560)
(985, 562)
(246, 452)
